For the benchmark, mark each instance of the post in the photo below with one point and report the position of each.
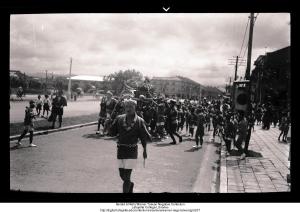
(69, 85)
(236, 67)
(247, 75)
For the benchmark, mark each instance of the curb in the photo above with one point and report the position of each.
(215, 188)
(45, 132)
(223, 171)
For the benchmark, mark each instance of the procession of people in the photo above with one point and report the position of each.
(153, 119)
(167, 117)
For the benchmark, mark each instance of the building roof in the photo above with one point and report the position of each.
(87, 78)
(166, 78)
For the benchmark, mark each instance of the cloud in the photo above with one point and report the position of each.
(192, 45)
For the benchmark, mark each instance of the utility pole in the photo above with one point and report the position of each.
(236, 67)
(247, 75)
(69, 85)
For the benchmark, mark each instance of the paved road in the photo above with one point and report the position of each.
(77, 108)
(79, 161)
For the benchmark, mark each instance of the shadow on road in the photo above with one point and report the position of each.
(163, 145)
(193, 149)
(18, 147)
(251, 153)
(93, 135)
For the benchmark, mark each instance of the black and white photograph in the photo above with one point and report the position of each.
(150, 102)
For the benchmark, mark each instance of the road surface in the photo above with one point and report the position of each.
(79, 161)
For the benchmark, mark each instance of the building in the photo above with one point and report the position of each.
(182, 87)
(270, 78)
(88, 82)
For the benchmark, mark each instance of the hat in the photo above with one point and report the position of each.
(109, 92)
(130, 102)
(142, 97)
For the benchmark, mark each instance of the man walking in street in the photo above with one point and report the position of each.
(28, 124)
(130, 127)
(200, 128)
(173, 122)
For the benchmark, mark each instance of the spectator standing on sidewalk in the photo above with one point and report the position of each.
(267, 117)
(283, 127)
(130, 127)
(46, 105)
(102, 115)
(58, 104)
(28, 124)
(229, 132)
(38, 103)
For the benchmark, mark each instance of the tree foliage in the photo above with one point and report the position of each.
(118, 80)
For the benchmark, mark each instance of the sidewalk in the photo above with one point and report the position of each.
(264, 170)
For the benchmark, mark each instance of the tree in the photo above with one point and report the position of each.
(118, 80)
(75, 86)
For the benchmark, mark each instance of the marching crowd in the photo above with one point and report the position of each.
(133, 119)
(175, 118)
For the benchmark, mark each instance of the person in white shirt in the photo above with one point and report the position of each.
(46, 105)
(38, 103)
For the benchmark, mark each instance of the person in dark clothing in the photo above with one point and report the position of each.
(187, 121)
(102, 114)
(110, 104)
(129, 127)
(229, 132)
(192, 122)
(241, 134)
(180, 118)
(267, 118)
(28, 124)
(200, 128)
(160, 120)
(58, 103)
(284, 127)
(217, 122)
(207, 120)
(173, 122)
(251, 120)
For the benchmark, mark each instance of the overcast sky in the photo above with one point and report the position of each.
(193, 45)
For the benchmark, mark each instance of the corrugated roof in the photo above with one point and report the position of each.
(87, 78)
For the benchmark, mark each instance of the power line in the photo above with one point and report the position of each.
(248, 44)
(244, 38)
